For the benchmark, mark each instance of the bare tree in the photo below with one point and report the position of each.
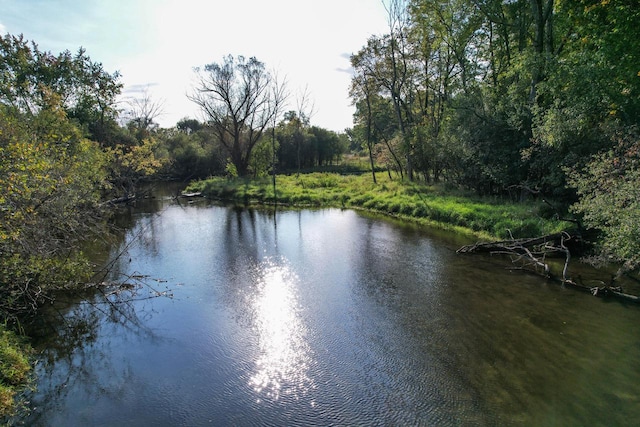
(280, 96)
(305, 107)
(144, 110)
(238, 97)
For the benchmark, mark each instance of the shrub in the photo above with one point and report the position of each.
(14, 369)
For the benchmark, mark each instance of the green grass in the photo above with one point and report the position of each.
(430, 205)
(14, 370)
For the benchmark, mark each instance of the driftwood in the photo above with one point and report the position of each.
(190, 195)
(511, 243)
(118, 200)
(531, 254)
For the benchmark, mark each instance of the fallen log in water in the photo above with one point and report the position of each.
(191, 195)
(119, 200)
(528, 253)
(512, 244)
(531, 254)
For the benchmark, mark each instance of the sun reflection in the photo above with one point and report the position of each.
(283, 362)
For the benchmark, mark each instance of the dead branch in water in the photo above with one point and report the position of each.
(526, 254)
(530, 254)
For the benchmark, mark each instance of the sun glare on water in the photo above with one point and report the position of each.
(282, 365)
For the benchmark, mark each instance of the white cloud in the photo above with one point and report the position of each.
(139, 89)
(3, 29)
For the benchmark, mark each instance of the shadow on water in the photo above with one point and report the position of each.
(73, 353)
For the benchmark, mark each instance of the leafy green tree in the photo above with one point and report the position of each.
(131, 164)
(362, 91)
(383, 131)
(605, 33)
(95, 99)
(51, 180)
(387, 60)
(85, 90)
(293, 140)
(328, 146)
(500, 95)
(300, 145)
(189, 126)
(192, 152)
(428, 57)
(592, 85)
(609, 191)
(262, 157)
(443, 36)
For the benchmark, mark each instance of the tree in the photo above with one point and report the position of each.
(52, 177)
(192, 150)
(50, 186)
(301, 120)
(238, 99)
(294, 137)
(94, 99)
(609, 190)
(131, 164)
(444, 40)
(327, 145)
(280, 95)
(142, 113)
(388, 61)
(379, 113)
(189, 126)
(362, 90)
(84, 90)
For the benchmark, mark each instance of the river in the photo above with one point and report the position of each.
(326, 317)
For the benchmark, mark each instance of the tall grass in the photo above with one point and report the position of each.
(14, 370)
(433, 205)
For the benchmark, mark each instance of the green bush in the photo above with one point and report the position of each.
(14, 369)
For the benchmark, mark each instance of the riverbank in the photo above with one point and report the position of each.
(14, 369)
(484, 218)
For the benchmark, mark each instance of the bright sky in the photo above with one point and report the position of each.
(156, 43)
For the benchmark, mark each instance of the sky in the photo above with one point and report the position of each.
(155, 44)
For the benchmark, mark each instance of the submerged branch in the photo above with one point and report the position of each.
(530, 254)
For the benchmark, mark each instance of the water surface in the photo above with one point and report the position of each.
(327, 317)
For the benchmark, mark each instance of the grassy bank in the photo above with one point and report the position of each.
(14, 370)
(482, 217)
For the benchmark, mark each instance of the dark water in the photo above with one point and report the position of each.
(328, 318)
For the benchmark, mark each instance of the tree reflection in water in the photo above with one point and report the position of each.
(66, 337)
